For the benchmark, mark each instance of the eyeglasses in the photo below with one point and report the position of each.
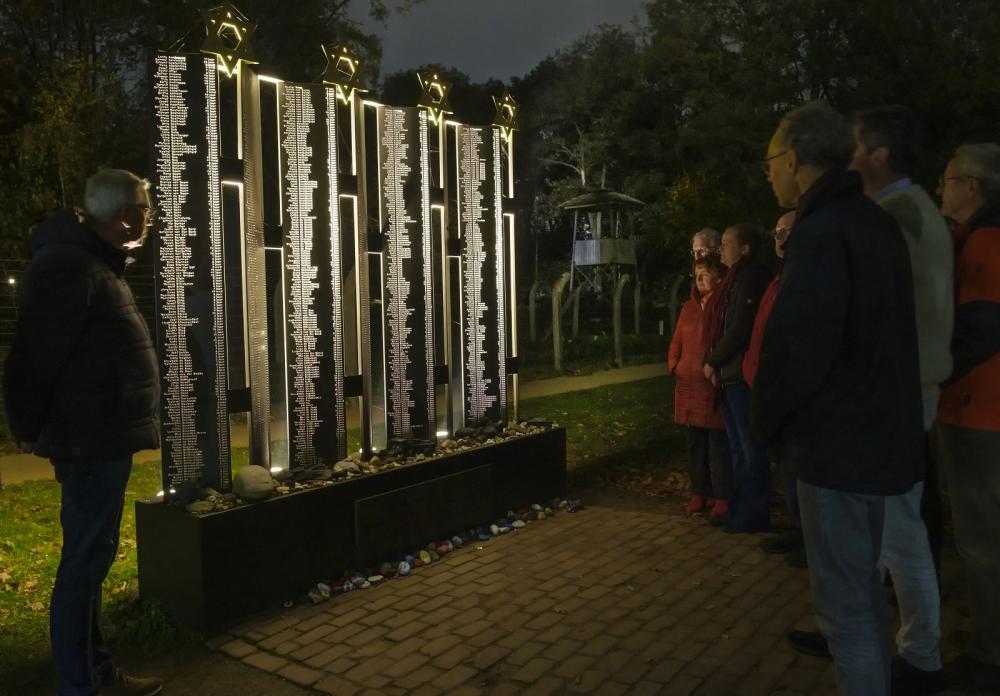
(702, 252)
(780, 231)
(942, 179)
(149, 213)
(766, 162)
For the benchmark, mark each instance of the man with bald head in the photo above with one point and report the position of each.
(837, 391)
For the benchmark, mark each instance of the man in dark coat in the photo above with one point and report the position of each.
(837, 393)
(81, 388)
(728, 324)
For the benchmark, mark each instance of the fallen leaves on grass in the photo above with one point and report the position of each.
(36, 606)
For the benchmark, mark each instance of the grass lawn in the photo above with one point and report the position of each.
(618, 434)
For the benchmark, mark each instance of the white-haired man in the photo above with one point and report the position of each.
(82, 389)
(969, 416)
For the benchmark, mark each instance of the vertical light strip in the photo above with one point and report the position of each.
(336, 312)
(499, 250)
(428, 270)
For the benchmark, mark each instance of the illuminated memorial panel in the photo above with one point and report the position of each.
(313, 274)
(190, 292)
(483, 274)
(404, 190)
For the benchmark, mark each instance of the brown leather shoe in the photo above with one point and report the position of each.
(122, 684)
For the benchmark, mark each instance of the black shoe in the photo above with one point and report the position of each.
(908, 680)
(966, 673)
(781, 543)
(732, 528)
(809, 643)
(719, 520)
(796, 558)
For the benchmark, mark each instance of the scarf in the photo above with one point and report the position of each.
(715, 310)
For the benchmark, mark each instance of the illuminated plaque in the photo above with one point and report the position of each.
(483, 253)
(190, 298)
(405, 219)
(313, 274)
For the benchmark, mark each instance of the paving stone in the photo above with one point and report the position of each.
(533, 670)
(416, 678)
(237, 648)
(487, 657)
(265, 661)
(336, 686)
(454, 677)
(454, 655)
(300, 675)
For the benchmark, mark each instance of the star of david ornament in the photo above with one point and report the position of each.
(228, 33)
(343, 70)
(506, 118)
(434, 96)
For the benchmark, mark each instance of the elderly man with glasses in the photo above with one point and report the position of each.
(969, 414)
(837, 390)
(82, 389)
(704, 242)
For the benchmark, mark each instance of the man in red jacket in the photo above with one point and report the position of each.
(969, 415)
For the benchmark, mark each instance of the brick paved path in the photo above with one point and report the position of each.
(606, 601)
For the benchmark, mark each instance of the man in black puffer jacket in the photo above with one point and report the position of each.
(81, 387)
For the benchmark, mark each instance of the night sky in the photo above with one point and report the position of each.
(490, 38)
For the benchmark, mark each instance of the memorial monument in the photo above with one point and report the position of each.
(330, 269)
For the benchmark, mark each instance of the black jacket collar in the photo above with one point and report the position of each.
(832, 184)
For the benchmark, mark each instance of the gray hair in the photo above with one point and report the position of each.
(109, 191)
(819, 136)
(981, 161)
(709, 235)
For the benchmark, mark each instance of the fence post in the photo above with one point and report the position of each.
(675, 307)
(636, 300)
(556, 316)
(532, 326)
(576, 310)
(616, 319)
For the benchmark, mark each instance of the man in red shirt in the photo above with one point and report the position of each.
(788, 542)
(969, 413)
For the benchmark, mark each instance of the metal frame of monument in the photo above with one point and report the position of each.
(388, 234)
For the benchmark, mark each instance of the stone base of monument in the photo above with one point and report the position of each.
(214, 570)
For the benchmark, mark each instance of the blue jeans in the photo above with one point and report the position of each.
(749, 508)
(93, 497)
(906, 553)
(843, 540)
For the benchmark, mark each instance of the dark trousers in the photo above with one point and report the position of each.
(749, 508)
(788, 483)
(93, 496)
(708, 461)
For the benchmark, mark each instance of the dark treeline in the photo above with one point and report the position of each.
(676, 111)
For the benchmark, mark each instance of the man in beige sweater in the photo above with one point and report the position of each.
(886, 153)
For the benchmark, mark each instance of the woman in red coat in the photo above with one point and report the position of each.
(695, 402)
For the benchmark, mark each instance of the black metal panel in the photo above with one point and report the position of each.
(408, 302)
(317, 428)
(483, 275)
(190, 295)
